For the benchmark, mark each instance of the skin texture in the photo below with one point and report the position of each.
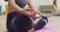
(54, 5)
(13, 7)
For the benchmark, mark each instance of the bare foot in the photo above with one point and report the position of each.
(37, 20)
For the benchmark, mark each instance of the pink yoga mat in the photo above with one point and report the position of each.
(50, 27)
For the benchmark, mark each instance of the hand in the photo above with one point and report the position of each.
(47, 15)
(30, 14)
(29, 9)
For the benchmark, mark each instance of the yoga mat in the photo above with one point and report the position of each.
(50, 27)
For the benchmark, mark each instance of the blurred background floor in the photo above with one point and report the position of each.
(52, 19)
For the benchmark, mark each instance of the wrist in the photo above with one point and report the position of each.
(42, 14)
(23, 11)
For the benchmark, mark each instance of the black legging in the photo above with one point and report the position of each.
(21, 19)
(9, 18)
(22, 23)
(41, 23)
